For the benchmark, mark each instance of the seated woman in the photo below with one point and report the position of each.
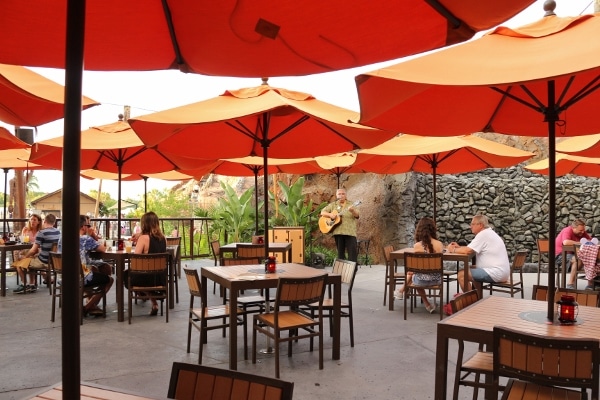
(425, 241)
(150, 240)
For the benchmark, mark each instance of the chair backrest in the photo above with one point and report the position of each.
(193, 281)
(215, 246)
(464, 300)
(539, 293)
(519, 261)
(55, 262)
(151, 263)
(173, 241)
(386, 253)
(193, 381)
(246, 250)
(294, 292)
(423, 262)
(582, 297)
(564, 362)
(543, 247)
(347, 269)
(226, 262)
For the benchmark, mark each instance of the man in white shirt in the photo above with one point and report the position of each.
(492, 258)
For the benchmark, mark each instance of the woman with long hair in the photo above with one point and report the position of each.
(150, 240)
(425, 242)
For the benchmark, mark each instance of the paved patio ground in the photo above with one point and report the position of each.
(392, 358)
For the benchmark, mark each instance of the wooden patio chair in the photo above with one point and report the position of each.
(154, 268)
(589, 298)
(391, 273)
(424, 263)
(191, 382)
(249, 303)
(293, 293)
(347, 270)
(481, 363)
(200, 317)
(512, 285)
(543, 247)
(539, 367)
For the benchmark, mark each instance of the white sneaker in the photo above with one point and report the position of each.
(431, 308)
(398, 295)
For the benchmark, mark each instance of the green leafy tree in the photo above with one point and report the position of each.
(234, 215)
(294, 210)
(106, 202)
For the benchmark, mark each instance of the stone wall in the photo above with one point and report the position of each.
(515, 201)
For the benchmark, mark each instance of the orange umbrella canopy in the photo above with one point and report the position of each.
(29, 99)
(568, 164)
(248, 122)
(446, 155)
(253, 39)
(107, 148)
(496, 83)
(536, 80)
(435, 155)
(587, 146)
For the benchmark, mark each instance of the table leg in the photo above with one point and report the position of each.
(3, 273)
(203, 301)
(233, 293)
(441, 365)
(119, 290)
(337, 301)
(172, 273)
(564, 269)
(391, 286)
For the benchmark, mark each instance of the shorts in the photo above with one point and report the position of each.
(568, 258)
(37, 264)
(479, 275)
(436, 279)
(98, 279)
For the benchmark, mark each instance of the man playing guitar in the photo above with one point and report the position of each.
(345, 231)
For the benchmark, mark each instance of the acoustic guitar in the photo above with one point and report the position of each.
(327, 225)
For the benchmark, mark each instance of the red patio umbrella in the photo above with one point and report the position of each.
(252, 39)
(536, 80)
(260, 121)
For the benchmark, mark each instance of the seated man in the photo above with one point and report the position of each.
(93, 277)
(45, 240)
(492, 258)
(569, 236)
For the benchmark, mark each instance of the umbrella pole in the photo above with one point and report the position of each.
(5, 189)
(71, 296)
(145, 193)
(256, 200)
(434, 166)
(120, 170)
(551, 118)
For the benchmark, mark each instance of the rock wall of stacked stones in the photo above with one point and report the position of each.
(515, 201)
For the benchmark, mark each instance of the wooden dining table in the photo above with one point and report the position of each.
(465, 259)
(246, 277)
(120, 258)
(4, 249)
(93, 391)
(284, 248)
(476, 324)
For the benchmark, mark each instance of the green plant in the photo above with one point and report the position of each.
(294, 210)
(234, 215)
(329, 254)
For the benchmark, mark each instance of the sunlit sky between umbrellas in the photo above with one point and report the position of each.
(148, 92)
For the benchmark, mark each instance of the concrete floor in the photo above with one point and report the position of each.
(392, 358)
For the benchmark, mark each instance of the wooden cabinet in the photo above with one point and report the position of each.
(289, 234)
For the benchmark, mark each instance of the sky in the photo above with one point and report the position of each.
(148, 92)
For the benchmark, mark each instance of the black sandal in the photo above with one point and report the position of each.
(154, 311)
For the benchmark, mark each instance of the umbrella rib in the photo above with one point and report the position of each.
(301, 120)
(443, 11)
(507, 93)
(586, 90)
(178, 56)
(354, 145)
